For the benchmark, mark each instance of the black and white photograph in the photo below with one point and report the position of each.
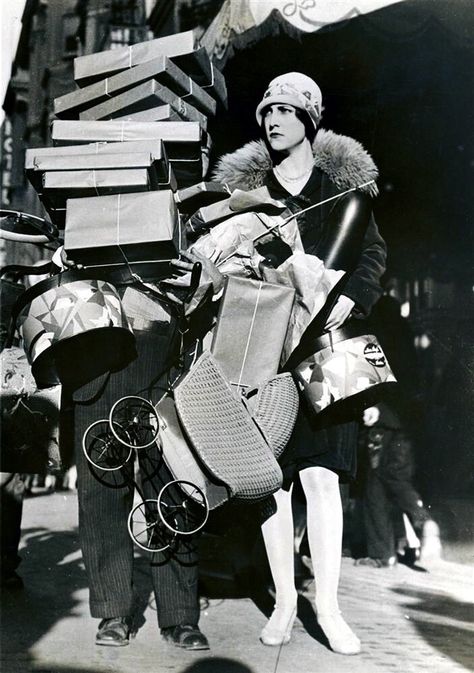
(236, 336)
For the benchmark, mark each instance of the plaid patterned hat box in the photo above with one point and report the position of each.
(73, 329)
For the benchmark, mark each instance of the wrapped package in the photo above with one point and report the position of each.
(233, 245)
(313, 283)
(159, 172)
(141, 97)
(153, 147)
(182, 139)
(178, 111)
(61, 185)
(234, 238)
(144, 97)
(190, 199)
(216, 87)
(161, 69)
(157, 113)
(82, 162)
(139, 230)
(256, 200)
(96, 155)
(182, 47)
(250, 332)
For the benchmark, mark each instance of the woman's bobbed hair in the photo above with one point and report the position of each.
(309, 129)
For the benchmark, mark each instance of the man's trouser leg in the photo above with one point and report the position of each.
(106, 546)
(11, 506)
(378, 519)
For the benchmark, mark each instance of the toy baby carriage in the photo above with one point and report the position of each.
(216, 443)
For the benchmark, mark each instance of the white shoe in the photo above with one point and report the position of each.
(430, 542)
(277, 630)
(341, 637)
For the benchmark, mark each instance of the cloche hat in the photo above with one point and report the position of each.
(295, 89)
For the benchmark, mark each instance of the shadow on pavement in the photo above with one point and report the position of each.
(52, 572)
(218, 665)
(452, 641)
(438, 604)
(307, 616)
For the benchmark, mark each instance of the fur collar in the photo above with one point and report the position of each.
(345, 162)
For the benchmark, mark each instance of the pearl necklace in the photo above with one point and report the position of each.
(296, 179)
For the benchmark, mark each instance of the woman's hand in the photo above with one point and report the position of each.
(177, 289)
(210, 273)
(341, 311)
(67, 263)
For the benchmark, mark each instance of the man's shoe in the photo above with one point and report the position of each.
(187, 636)
(113, 632)
(390, 562)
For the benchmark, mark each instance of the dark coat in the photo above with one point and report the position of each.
(341, 163)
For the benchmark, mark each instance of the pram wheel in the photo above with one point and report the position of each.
(146, 528)
(182, 507)
(102, 449)
(134, 422)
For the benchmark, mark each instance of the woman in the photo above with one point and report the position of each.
(303, 167)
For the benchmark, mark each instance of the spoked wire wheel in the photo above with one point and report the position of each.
(147, 529)
(182, 507)
(134, 422)
(102, 449)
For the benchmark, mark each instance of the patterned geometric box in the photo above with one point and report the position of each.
(350, 371)
(73, 329)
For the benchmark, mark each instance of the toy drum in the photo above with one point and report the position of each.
(347, 372)
(73, 329)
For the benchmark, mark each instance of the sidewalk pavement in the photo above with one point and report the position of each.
(408, 620)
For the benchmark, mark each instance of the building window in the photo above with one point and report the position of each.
(127, 13)
(197, 13)
(70, 32)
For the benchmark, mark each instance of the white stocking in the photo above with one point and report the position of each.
(324, 519)
(278, 536)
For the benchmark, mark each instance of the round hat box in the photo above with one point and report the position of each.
(347, 372)
(73, 329)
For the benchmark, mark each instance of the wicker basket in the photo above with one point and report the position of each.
(223, 433)
(276, 408)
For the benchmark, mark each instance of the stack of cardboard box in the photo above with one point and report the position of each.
(134, 132)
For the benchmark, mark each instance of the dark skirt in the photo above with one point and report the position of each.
(321, 441)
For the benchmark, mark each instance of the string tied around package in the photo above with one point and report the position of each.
(239, 383)
(94, 180)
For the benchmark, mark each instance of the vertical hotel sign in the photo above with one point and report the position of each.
(6, 162)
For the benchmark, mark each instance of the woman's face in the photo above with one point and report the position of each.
(283, 129)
